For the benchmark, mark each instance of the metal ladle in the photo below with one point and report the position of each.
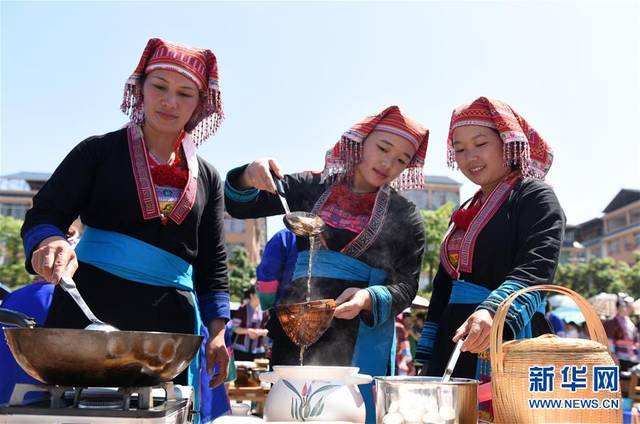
(70, 287)
(280, 191)
(304, 224)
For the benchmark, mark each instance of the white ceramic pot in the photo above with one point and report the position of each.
(314, 393)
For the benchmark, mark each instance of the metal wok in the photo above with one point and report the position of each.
(85, 358)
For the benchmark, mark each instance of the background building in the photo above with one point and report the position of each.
(17, 190)
(616, 234)
(572, 251)
(438, 190)
(248, 233)
(621, 232)
(590, 235)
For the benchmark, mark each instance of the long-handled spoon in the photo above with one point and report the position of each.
(70, 287)
(452, 362)
(280, 191)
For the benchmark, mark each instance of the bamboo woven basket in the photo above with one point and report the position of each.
(510, 364)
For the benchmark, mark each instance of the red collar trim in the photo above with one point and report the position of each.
(477, 223)
(144, 183)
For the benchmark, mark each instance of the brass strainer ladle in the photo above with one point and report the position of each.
(305, 322)
(304, 224)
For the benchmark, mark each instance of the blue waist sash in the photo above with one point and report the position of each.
(331, 264)
(464, 292)
(375, 345)
(135, 260)
(522, 309)
(468, 293)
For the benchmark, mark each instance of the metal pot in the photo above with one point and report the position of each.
(426, 400)
(84, 358)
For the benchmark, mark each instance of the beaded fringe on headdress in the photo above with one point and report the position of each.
(515, 152)
(341, 162)
(208, 114)
(522, 145)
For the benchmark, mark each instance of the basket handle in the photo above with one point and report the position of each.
(596, 330)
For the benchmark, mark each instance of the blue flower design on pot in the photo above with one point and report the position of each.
(302, 407)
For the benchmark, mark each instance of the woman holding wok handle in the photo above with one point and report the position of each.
(152, 256)
(373, 238)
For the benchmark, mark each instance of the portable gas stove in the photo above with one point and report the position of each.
(165, 404)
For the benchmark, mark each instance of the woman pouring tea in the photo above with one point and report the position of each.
(371, 242)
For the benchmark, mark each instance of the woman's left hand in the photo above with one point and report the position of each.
(351, 302)
(476, 331)
(217, 355)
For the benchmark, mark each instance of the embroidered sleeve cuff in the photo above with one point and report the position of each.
(214, 305)
(424, 348)
(34, 237)
(235, 194)
(522, 308)
(381, 303)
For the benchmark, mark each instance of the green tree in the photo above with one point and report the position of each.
(12, 272)
(241, 273)
(435, 225)
(632, 278)
(600, 275)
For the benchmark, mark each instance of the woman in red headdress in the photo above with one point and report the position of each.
(152, 256)
(506, 237)
(372, 244)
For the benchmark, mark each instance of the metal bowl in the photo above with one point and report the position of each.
(426, 400)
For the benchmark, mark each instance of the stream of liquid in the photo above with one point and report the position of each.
(312, 242)
(301, 355)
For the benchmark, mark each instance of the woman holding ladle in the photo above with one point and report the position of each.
(372, 239)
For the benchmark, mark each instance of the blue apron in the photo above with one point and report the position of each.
(135, 260)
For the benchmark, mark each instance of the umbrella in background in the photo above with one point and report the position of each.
(561, 300)
(569, 314)
(566, 309)
(604, 304)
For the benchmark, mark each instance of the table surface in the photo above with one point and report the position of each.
(247, 390)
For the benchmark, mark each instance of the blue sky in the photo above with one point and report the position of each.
(295, 75)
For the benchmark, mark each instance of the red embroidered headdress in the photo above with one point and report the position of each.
(523, 146)
(342, 159)
(199, 65)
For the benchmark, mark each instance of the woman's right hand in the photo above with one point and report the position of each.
(258, 175)
(53, 258)
(476, 331)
